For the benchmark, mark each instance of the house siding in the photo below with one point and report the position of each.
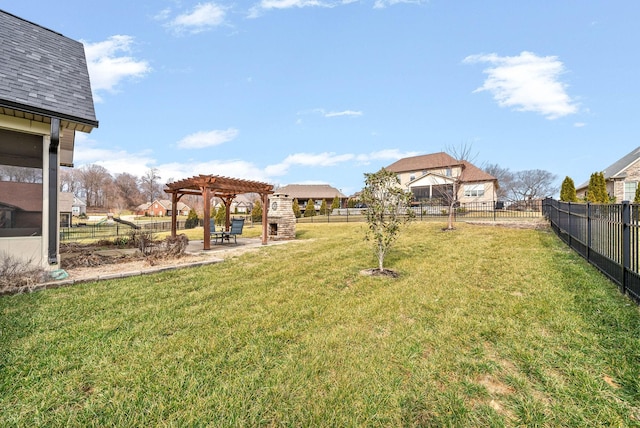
(632, 175)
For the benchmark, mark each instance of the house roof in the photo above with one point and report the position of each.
(310, 191)
(43, 74)
(166, 204)
(437, 161)
(423, 162)
(618, 169)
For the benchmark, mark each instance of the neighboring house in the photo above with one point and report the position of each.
(432, 177)
(142, 209)
(65, 207)
(241, 204)
(316, 192)
(622, 178)
(45, 98)
(162, 208)
(79, 207)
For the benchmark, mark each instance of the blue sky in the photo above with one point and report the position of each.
(320, 91)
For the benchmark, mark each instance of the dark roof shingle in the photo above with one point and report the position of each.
(43, 73)
(437, 161)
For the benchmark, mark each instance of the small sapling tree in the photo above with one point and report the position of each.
(568, 191)
(323, 207)
(387, 210)
(192, 220)
(256, 212)
(296, 208)
(335, 204)
(310, 209)
(597, 190)
(221, 215)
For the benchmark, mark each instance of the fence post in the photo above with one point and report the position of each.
(569, 224)
(589, 231)
(626, 242)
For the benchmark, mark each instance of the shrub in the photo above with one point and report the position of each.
(310, 209)
(597, 190)
(256, 212)
(568, 191)
(323, 207)
(221, 215)
(192, 220)
(336, 203)
(296, 208)
(18, 275)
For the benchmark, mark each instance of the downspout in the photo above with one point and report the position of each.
(54, 144)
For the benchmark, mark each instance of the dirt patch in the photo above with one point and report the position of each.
(384, 273)
(536, 224)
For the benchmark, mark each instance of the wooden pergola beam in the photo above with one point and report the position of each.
(225, 188)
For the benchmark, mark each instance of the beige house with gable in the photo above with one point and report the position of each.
(315, 192)
(621, 177)
(432, 177)
(45, 98)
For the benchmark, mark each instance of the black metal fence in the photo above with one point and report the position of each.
(606, 235)
(111, 230)
(115, 229)
(493, 210)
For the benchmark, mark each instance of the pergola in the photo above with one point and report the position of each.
(225, 188)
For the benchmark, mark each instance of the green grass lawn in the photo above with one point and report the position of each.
(485, 326)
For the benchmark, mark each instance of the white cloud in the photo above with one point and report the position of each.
(527, 82)
(306, 159)
(579, 124)
(87, 151)
(330, 159)
(204, 139)
(388, 154)
(266, 5)
(325, 113)
(381, 4)
(203, 17)
(107, 69)
(343, 113)
(226, 168)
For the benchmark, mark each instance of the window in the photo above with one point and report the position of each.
(474, 190)
(447, 172)
(412, 177)
(20, 184)
(630, 190)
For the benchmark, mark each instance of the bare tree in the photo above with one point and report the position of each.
(505, 179)
(70, 180)
(128, 190)
(94, 179)
(533, 184)
(462, 154)
(150, 184)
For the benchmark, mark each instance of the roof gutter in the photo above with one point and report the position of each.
(47, 113)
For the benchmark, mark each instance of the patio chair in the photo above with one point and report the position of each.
(235, 230)
(215, 235)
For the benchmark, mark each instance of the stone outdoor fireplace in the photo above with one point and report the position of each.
(281, 220)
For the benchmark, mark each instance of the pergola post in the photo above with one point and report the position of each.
(174, 215)
(207, 218)
(265, 210)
